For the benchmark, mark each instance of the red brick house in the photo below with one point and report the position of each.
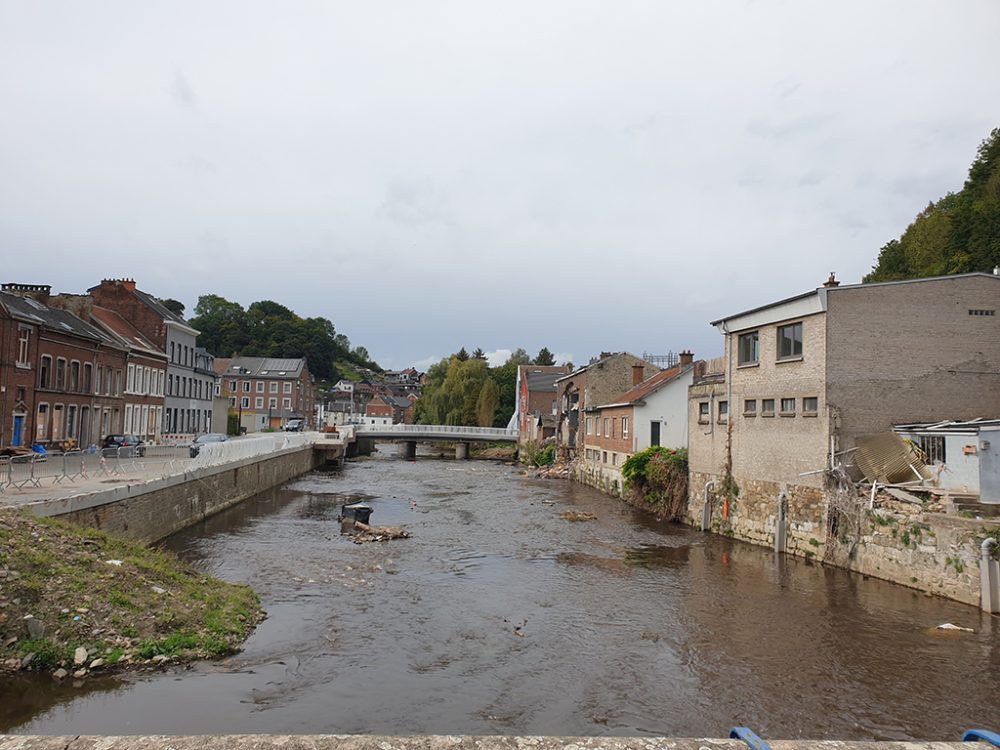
(63, 377)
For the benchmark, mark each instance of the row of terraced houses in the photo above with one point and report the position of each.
(800, 382)
(75, 368)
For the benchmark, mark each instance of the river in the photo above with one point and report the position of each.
(500, 617)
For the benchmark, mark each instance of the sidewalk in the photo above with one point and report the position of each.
(60, 476)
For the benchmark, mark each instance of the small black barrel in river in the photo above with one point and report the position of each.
(358, 512)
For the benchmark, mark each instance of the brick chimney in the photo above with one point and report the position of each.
(37, 292)
(637, 371)
(831, 282)
(685, 358)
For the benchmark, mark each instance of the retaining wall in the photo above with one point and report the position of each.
(153, 510)
(899, 542)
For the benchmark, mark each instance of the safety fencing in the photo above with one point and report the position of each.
(137, 462)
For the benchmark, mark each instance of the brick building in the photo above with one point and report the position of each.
(596, 383)
(190, 386)
(536, 408)
(268, 391)
(62, 377)
(804, 377)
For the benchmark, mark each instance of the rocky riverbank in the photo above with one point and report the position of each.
(74, 601)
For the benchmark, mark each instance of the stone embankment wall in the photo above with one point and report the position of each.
(900, 542)
(153, 510)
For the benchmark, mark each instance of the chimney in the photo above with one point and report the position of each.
(128, 284)
(637, 371)
(685, 358)
(37, 292)
(831, 282)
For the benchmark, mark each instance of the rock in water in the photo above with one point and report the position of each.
(60, 674)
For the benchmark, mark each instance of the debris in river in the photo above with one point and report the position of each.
(952, 626)
(575, 515)
(362, 532)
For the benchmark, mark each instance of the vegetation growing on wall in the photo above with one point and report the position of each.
(659, 476)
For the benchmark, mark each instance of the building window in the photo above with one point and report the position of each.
(597, 426)
(749, 348)
(246, 386)
(614, 459)
(590, 425)
(750, 407)
(232, 386)
(130, 382)
(810, 405)
(258, 402)
(260, 386)
(933, 448)
(23, 341)
(614, 426)
(245, 402)
(272, 403)
(274, 387)
(286, 403)
(100, 379)
(986, 313)
(60, 374)
(288, 387)
(787, 406)
(607, 428)
(88, 376)
(42, 422)
(790, 341)
(703, 413)
(604, 456)
(74, 376)
(723, 411)
(625, 427)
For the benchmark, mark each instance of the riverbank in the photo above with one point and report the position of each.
(74, 601)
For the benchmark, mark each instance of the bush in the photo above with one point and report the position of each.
(659, 476)
(546, 456)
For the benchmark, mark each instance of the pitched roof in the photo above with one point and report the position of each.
(267, 367)
(638, 393)
(116, 325)
(55, 319)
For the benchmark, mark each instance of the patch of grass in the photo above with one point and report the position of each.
(813, 542)
(955, 563)
(48, 654)
(905, 538)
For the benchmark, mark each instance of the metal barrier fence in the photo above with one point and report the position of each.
(404, 429)
(143, 462)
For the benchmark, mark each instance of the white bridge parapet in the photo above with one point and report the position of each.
(436, 432)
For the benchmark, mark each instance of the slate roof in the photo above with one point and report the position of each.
(261, 367)
(32, 311)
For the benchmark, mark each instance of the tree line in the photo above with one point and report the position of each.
(269, 329)
(464, 390)
(959, 233)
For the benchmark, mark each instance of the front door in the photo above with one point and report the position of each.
(654, 433)
(18, 426)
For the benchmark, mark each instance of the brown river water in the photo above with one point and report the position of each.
(499, 617)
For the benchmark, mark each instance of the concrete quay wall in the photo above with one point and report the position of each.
(438, 742)
(149, 511)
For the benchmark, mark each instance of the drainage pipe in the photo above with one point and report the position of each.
(706, 513)
(989, 577)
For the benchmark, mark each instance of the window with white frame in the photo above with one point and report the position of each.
(590, 425)
(260, 386)
(286, 403)
(23, 346)
(288, 387)
(129, 384)
(625, 427)
(274, 386)
(272, 403)
(258, 402)
(246, 402)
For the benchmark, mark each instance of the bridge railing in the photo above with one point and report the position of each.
(442, 429)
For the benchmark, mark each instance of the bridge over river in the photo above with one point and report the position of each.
(411, 434)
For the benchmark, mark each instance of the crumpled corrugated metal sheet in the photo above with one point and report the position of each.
(885, 457)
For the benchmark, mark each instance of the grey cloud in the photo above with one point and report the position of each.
(182, 93)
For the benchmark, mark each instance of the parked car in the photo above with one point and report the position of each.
(136, 446)
(293, 425)
(208, 437)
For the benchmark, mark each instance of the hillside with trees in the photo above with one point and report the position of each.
(269, 329)
(463, 390)
(960, 233)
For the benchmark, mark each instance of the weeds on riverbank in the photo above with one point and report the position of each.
(76, 599)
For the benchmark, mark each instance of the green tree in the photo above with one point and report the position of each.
(451, 392)
(957, 234)
(545, 357)
(486, 405)
(177, 308)
(479, 354)
(462, 355)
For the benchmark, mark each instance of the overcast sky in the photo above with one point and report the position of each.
(584, 176)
